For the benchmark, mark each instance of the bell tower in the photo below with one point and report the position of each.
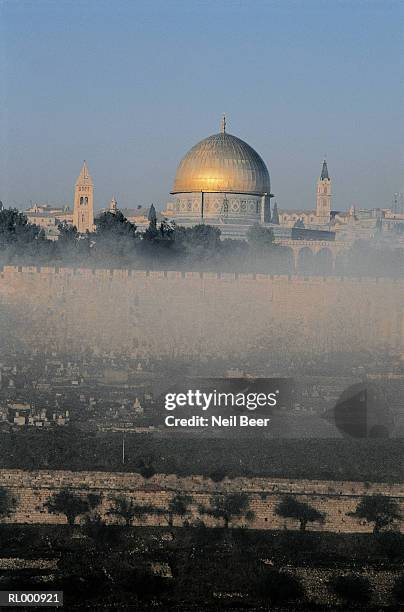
(323, 205)
(83, 211)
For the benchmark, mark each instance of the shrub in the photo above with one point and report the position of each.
(398, 589)
(147, 471)
(144, 584)
(278, 586)
(102, 534)
(352, 587)
(391, 543)
(217, 475)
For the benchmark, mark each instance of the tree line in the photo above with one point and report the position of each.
(380, 510)
(116, 242)
(114, 561)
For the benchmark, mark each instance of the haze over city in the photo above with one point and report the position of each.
(131, 87)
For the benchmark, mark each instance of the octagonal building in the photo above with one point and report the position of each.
(223, 182)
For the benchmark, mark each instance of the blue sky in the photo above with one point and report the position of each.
(131, 86)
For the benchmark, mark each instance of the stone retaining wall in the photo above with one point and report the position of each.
(334, 498)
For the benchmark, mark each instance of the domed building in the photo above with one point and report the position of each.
(223, 182)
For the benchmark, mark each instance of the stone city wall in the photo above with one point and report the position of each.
(334, 498)
(174, 313)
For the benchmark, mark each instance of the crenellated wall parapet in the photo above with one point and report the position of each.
(129, 273)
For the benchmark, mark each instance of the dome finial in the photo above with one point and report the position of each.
(223, 124)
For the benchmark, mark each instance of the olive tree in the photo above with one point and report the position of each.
(228, 506)
(290, 507)
(8, 503)
(178, 506)
(380, 510)
(68, 503)
(127, 510)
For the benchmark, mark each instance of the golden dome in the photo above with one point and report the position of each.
(222, 163)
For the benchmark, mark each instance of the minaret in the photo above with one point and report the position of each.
(323, 206)
(83, 212)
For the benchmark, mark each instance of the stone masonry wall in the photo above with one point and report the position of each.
(176, 313)
(334, 498)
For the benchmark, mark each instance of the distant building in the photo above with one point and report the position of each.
(302, 233)
(321, 216)
(48, 218)
(397, 206)
(83, 212)
(223, 182)
(22, 414)
(139, 216)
